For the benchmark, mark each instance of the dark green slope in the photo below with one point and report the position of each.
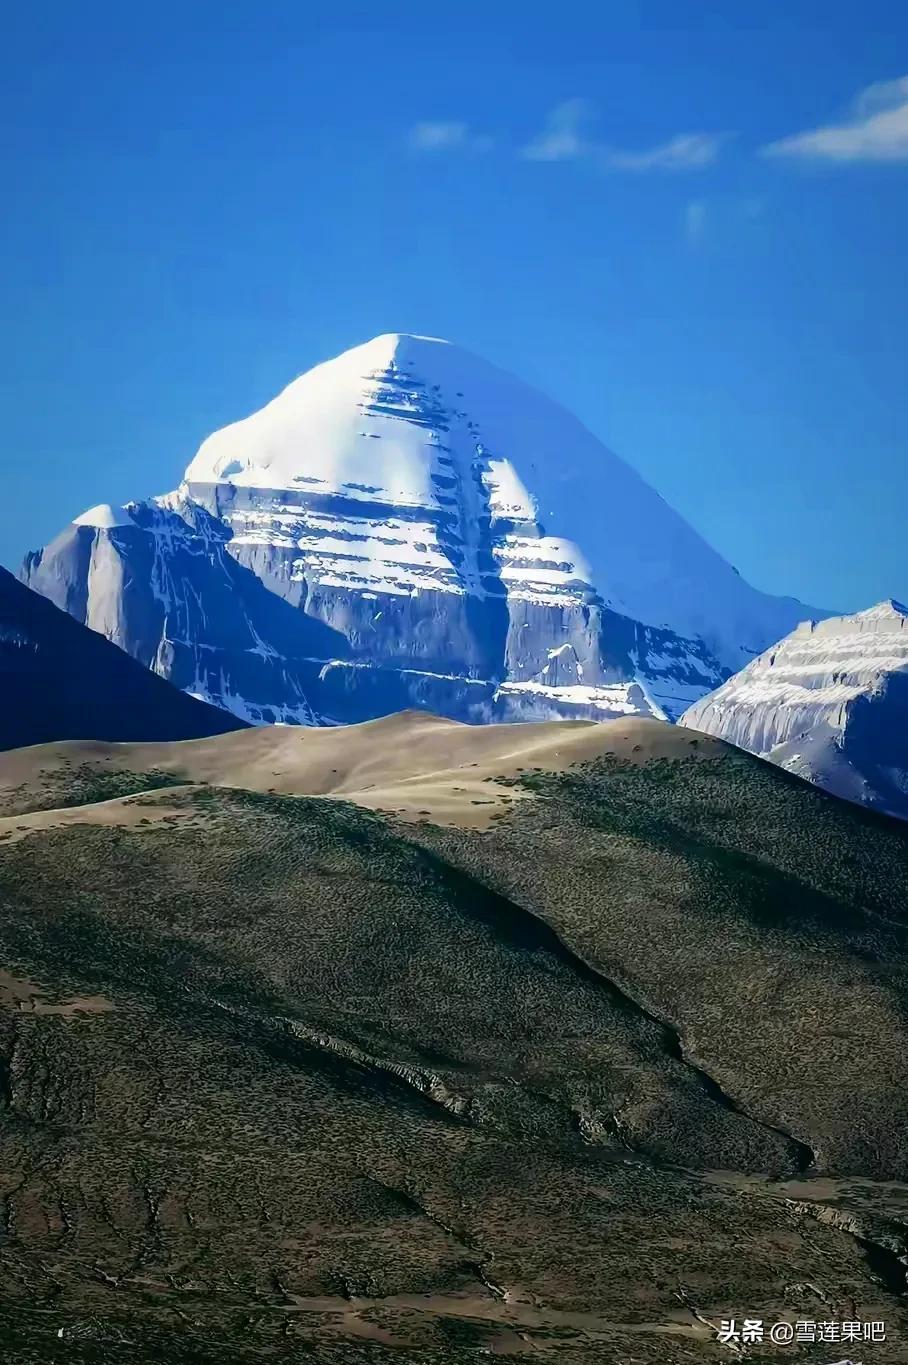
(295, 1082)
(766, 922)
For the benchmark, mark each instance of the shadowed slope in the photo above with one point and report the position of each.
(59, 680)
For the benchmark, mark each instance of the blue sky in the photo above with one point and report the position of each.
(687, 222)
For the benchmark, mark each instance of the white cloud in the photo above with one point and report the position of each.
(882, 95)
(686, 152)
(565, 138)
(444, 136)
(876, 131)
(562, 138)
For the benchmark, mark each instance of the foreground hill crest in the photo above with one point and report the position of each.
(409, 525)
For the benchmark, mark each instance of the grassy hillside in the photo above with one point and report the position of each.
(571, 1076)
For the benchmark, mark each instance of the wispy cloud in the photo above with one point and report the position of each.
(877, 130)
(686, 152)
(445, 136)
(566, 137)
(694, 221)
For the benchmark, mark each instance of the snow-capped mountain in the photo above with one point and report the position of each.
(830, 703)
(408, 525)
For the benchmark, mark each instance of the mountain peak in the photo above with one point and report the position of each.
(404, 524)
(389, 349)
(888, 614)
(410, 422)
(829, 703)
(888, 609)
(404, 339)
(104, 515)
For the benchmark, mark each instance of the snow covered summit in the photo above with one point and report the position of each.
(414, 422)
(407, 524)
(830, 703)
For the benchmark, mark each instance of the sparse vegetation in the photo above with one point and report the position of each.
(81, 786)
(376, 1091)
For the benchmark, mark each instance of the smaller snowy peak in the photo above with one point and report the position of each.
(829, 702)
(888, 610)
(822, 666)
(105, 516)
(885, 616)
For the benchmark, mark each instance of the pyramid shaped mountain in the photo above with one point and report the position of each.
(409, 525)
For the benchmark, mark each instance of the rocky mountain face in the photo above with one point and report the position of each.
(407, 525)
(829, 703)
(61, 681)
